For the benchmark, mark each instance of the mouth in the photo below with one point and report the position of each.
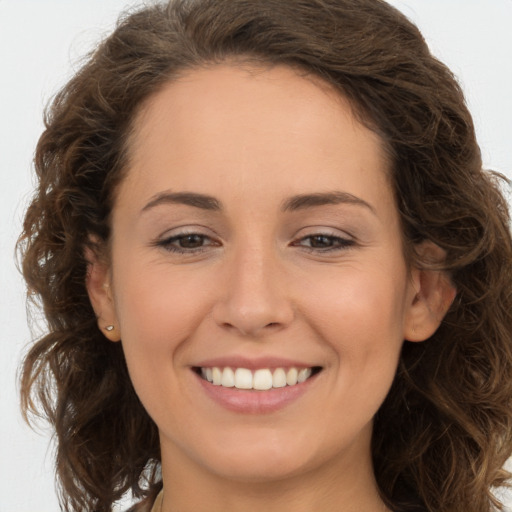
(261, 379)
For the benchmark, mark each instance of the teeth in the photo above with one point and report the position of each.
(216, 376)
(291, 377)
(279, 378)
(243, 378)
(261, 380)
(304, 374)
(228, 378)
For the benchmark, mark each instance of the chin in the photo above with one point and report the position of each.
(260, 459)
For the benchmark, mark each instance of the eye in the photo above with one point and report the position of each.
(186, 243)
(190, 241)
(324, 242)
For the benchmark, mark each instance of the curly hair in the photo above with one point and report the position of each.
(445, 430)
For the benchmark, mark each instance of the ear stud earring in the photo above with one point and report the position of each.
(109, 328)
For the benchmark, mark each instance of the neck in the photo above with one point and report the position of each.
(341, 485)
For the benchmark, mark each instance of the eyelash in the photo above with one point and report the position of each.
(169, 244)
(336, 243)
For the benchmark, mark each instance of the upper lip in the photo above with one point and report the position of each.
(270, 362)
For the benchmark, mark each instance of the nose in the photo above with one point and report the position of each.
(254, 296)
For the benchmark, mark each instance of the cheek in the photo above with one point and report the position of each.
(357, 304)
(360, 317)
(158, 310)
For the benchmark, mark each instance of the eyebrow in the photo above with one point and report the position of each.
(295, 203)
(201, 201)
(304, 201)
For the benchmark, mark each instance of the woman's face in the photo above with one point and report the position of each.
(255, 238)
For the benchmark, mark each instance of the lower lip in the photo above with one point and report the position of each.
(253, 401)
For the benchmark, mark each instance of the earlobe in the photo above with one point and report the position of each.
(99, 289)
(432, 295)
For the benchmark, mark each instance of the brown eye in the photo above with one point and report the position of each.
(186, 243)
(191, 241)
(321, 241)
(324, 243)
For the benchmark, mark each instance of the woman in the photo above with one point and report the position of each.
(274, 273)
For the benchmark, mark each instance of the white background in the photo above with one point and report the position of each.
(41, 42)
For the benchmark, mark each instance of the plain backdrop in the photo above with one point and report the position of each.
(41, 43)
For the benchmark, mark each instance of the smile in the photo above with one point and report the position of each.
(261, 380)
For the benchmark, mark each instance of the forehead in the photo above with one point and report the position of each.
(265, 127)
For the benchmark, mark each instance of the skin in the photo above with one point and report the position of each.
(260, 281)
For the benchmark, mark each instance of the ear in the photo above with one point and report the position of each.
(98, 284)
(432, 294)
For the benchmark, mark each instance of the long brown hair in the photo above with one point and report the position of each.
(445, 430)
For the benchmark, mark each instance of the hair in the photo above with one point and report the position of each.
(444, 431)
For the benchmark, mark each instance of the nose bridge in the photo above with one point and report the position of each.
(255, 297)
